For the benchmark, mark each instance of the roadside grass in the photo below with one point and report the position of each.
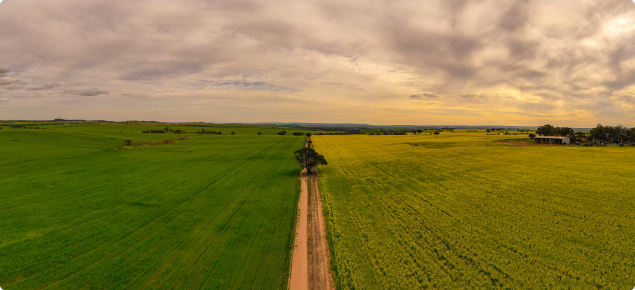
(216, 212)
(465, 212)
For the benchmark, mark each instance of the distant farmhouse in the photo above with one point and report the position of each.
(552, 140)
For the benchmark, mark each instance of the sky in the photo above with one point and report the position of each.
(434, 62)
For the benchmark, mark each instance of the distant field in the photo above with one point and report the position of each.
(459, 211)
(215, 212)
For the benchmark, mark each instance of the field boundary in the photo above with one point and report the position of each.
(320, 266)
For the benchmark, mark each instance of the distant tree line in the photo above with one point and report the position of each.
(600, 134)
(29, 126)
(165, 130)
(612, 134)
(338, 133)
(24, 127)
(203, 131)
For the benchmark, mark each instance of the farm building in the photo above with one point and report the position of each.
(552, 140)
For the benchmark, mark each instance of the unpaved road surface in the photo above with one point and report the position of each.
(299, 278)
(310, 268)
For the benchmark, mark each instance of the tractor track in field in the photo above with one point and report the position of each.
(310, 266)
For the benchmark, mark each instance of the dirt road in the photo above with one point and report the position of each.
(299, 278)
(310, 268)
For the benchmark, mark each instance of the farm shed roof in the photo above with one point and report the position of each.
(551, 137)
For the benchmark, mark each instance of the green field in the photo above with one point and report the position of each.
(459, 211)
(214, 212)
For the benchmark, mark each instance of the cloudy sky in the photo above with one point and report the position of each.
(499, 62)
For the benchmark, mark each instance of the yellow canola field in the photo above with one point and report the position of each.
(460, 211)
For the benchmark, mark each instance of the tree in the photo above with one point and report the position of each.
(308, 158)
(532, 136)
(436, 133)
(259, 133)
(630, 135)
(233, 133)
(282, 133)
(545, 130)
(565, 131)
(598, 133)
(617, 134)
(579, 136)
(128, 142)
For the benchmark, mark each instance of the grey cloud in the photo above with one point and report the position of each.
(134, 95)
(242, 84)
(450, 47)
(43, 87)
(8, 81)
(86, 92)
(549, 96)
(4, 71)
(516, 16)
(424, 96)
(14, 87)
(472, 96)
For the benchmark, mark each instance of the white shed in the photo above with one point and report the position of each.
(552, 140)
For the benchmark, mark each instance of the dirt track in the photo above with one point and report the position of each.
(299, 278)
(310, 268)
